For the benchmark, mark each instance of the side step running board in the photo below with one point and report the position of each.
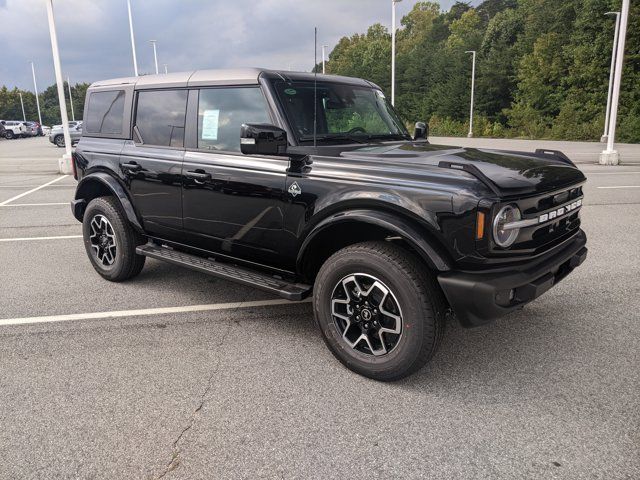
(290, 291)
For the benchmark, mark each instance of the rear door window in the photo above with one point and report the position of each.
(160, 117)
(222, 111)
(105, 112)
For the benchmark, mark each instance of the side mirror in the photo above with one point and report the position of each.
(262, 139)
(421, 131)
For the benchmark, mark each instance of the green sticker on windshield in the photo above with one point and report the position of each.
(290, 91)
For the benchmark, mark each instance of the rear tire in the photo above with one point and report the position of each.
(111, 241)
(59, 141)
(405, 310)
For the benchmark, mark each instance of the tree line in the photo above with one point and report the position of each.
(10, 108)
(542, 67)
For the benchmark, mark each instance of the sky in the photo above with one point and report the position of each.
(93, 35)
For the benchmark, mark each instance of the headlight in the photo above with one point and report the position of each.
(504, 237)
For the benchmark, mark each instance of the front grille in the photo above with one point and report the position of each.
(541, 237)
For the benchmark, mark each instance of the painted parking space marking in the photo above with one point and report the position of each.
(146, 312)
(33, 204)
(621, 186)
(33, 190)
(28, 239)
(613, 173)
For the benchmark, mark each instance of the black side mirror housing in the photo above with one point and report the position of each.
(421, 131)
(262, 139)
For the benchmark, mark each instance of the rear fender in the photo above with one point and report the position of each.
(99, 184)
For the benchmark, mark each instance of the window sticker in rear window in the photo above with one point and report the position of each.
(210, 124)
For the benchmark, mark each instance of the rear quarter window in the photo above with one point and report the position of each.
(105, 112)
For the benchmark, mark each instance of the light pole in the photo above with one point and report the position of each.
(24, 117)
(35, 87)
(166, 68)
(609, 156)
(64, 164)
(473, 84)
(155, 53)
(605, 135)
(73, 115)
(133, 41)
(393, 50)
(323, 59)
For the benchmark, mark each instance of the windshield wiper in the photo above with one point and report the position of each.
(337, 136)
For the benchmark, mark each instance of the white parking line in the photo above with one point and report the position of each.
(27, 239)
(622, 186)
(145, 312)
(34, 204)
(33, 190)
(613, 173)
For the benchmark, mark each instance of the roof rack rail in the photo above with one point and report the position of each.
(473, 170)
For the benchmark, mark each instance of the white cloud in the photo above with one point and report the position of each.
(94, 37)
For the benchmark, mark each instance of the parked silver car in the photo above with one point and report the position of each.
(56, 136)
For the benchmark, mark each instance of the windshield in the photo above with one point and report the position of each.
(345, 113)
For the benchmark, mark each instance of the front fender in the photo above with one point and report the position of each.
(99, 184)
(434, 256)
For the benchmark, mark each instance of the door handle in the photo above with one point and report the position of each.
(132, 167)
(198, 175)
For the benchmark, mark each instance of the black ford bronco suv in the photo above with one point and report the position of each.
(295, 184)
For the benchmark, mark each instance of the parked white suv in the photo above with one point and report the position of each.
(14, 129)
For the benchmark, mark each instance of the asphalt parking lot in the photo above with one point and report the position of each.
(193, 377)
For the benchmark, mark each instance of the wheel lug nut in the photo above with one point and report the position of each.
(366, 325)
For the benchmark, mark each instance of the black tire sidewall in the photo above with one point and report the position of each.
(57, 142)
(100, 206)
(417, 314)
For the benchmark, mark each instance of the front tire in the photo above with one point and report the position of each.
(59, 141)
(381, 313)
(111, 241)
(9, 135)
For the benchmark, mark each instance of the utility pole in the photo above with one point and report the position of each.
(35, 87)
(323, 59)
(473, 85)
(393, 50)
(24, 117)
(155, 54)
(64, 164)
(133, 41)
(610, 156)
(605, 135)
(73, 115)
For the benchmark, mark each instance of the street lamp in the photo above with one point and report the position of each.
(133, 41)
(35, 87)
(609, 156)
(73, 115)
(323, 58)
(473, 84)
(393, 50)
(24, 117)
(155, 53)
(605, 135)
(64, 164)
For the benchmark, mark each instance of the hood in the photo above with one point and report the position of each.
(513, 173)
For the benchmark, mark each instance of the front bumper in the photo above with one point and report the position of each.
(480, 297)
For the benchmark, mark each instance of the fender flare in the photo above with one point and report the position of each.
(105, 180)
(434, 256)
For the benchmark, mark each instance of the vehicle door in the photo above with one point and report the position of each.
(152, 161)
(233, 203)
